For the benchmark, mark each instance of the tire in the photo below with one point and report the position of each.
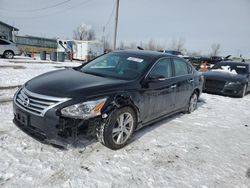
(244, 91)
(192, 104)
(8, 54)
(116, 132)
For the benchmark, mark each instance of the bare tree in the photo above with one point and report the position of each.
(194, 53)
(215, 49)
(121, 45)
(151, 45)
(106, 43)
(178, 45)
(84, 32)
(132, 45)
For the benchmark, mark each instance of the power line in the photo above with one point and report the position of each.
(52, 13)
(38, 9)
(111, 15)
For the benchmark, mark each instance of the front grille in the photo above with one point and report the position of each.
(214, 85)
(35, 103)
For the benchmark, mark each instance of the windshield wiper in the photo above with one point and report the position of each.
(93, 73)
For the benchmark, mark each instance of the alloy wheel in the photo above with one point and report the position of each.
(8, 55)
(123, 128)
(193, 102)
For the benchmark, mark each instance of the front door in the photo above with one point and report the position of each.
(158, 92)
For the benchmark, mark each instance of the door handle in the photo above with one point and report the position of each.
(162, 79)
(173, 86)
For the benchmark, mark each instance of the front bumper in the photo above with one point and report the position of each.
(53, 129)
(234, 91)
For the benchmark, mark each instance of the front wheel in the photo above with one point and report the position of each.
(8, 54)
(192, 105)
(119, 129)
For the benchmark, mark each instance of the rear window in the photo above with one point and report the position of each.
(181, 67)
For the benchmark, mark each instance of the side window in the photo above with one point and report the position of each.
(2, 42)
(162, 68)
(181, 67)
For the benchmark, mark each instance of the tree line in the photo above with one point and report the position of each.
(86, 32)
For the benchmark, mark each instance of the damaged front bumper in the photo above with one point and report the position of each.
(55, 130)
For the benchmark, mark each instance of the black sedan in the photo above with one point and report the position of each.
(110, 97)
(228, 78)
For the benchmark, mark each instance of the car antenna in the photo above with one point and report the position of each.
(139, 48)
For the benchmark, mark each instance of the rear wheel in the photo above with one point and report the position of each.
(116, 133)
(192, 105)
(8, 54)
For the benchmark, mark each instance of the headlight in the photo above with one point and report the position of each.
(84, 110)
(233, 83)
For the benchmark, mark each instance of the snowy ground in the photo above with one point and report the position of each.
(208, 148)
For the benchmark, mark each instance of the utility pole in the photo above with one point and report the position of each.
(116, 23)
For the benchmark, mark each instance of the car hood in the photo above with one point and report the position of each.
(71, 83)
(225, 76)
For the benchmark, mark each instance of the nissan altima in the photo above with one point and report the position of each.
(109, 97)
(228, 78)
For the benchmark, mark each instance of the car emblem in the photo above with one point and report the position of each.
(26, 102)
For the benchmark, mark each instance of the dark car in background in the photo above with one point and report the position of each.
(110, 97)
(172, 52)
(228, 78)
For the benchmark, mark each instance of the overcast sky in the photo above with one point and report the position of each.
(200, 23)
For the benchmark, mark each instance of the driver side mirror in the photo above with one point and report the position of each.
(152, 79)
(155, 78)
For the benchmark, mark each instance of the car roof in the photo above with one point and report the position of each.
(146, 53)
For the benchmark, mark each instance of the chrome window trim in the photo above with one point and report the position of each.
(39, 96)
(155, 64)
(187, 64)
(172, 70)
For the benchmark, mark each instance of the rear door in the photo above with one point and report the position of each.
(184, 82)
(159, 95)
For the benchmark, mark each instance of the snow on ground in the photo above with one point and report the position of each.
(13, 72)
(208, 148)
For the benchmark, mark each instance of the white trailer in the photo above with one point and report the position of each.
(64, 45)
(82, 50)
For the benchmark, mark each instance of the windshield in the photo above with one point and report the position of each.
(231, 68)
(117, 65)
